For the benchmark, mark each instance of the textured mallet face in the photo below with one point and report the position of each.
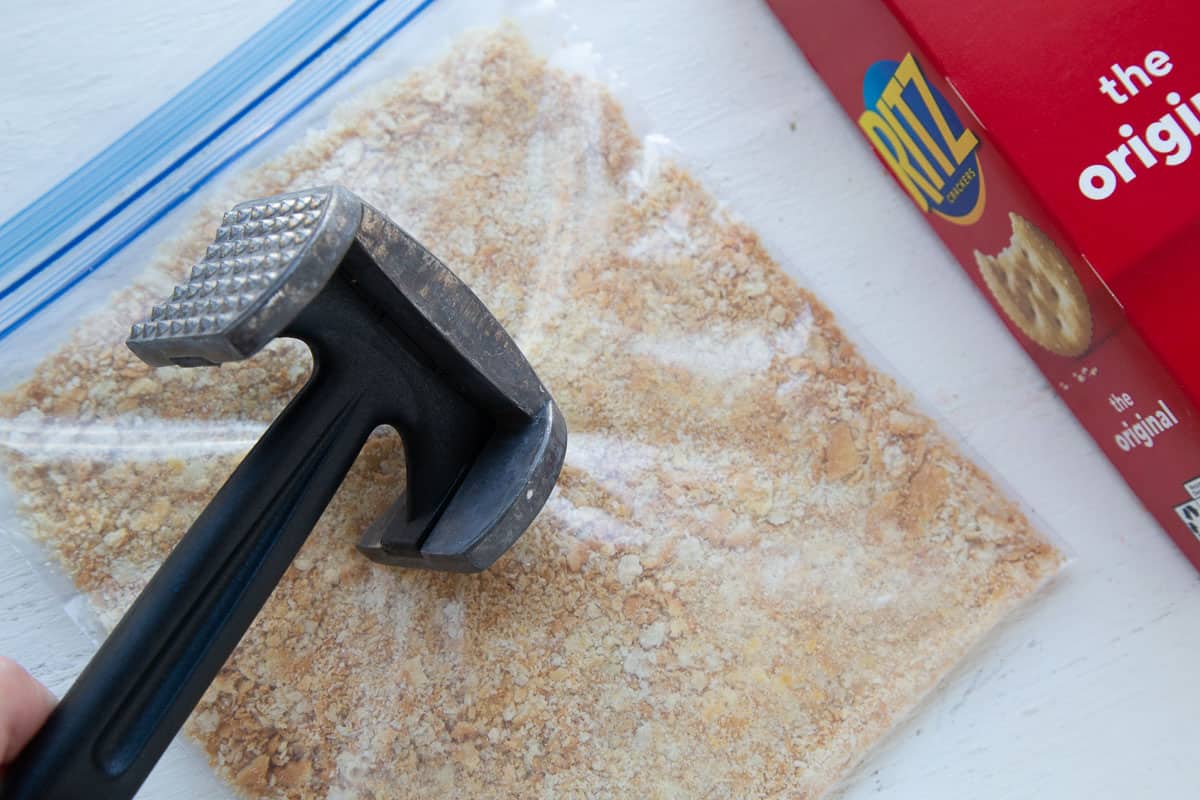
(229, 306)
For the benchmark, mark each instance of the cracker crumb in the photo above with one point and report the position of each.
(628, 569)
(115, 539)
(653, 635)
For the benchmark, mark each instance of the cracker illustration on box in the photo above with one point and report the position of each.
(1037, 289)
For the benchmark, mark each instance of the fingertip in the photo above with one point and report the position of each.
(24, 705)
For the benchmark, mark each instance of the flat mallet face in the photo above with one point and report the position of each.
(397, 340)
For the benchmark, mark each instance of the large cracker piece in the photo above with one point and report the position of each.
(760, 557)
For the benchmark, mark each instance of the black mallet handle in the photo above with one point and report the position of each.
(107, 733)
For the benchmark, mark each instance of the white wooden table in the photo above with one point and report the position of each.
(1090, 693)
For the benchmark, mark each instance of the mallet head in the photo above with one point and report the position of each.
(484, 440)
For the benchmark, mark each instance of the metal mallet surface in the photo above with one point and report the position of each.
(396, 340)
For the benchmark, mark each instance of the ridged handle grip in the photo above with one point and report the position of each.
(108, 732)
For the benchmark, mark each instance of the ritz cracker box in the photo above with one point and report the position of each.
(1051, 148)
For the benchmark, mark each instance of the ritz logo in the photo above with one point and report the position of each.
(918, 135)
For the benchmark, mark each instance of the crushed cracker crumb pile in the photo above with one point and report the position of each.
(760, 555)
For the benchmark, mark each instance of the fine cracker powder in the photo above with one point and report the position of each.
(759, 558)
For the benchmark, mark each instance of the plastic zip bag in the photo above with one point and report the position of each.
(760, 556)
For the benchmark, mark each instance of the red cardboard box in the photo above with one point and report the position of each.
(1055, 148)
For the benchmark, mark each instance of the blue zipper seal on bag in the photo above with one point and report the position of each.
(78, 203)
